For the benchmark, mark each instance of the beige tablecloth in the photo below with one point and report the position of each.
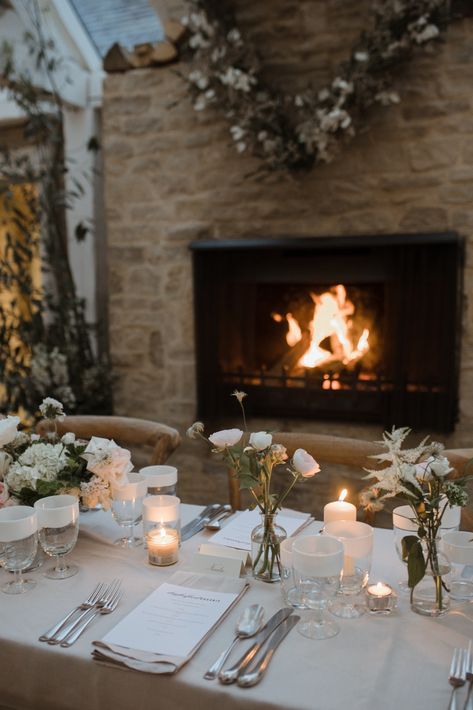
(378, 663)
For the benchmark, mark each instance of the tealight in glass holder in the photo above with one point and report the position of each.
(380, 598)
(163, 546)
(161, 512)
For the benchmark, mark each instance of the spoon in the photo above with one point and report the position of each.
(214, 524)
(248, 625)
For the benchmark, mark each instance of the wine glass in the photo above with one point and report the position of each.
(317, 562)
(357, 539)
(18, 545)
(127, 508)
(58, 525)
(458, 547)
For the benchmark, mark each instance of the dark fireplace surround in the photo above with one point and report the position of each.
(406, 288)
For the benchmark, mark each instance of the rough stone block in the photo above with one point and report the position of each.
(421, 219)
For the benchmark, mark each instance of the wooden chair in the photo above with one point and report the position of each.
(124, 430)
(345, 451)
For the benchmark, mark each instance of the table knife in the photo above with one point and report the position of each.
(193, 527)
(231, 674)
(255, 672)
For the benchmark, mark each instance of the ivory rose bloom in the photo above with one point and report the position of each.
(226, 437)
(107, 460)
(305, 464)
(8, 429)
(437, 465)
(260, 440)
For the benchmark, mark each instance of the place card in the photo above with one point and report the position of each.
(237, 532)
(172, 621)
(217, 564)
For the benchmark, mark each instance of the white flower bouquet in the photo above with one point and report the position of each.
(33, 467)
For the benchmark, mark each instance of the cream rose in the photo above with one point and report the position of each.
(8, 429)
(305, 464)
(225, 437)
(260, 440)
(107, 460)
(439, 466)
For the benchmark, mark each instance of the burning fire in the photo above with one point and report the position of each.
(331, 319)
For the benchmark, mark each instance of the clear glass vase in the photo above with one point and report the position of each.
(266, 539)
(430, 596)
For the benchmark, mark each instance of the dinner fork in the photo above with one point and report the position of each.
(469, 676)
(87, 604)
(103, 599)
(457, 675)
(107, 608)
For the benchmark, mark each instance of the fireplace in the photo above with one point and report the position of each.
(347, 328)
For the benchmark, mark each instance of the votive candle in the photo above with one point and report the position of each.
(380, 598)
(163, 546)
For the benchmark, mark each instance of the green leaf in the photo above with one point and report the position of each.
(247, 482)
(415, 564)
(407, 543)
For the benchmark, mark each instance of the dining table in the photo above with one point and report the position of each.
(387, 662)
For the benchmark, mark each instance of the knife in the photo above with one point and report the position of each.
(257, 669)
(230, 675)
(198, 523)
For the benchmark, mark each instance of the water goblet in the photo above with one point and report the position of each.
(58, 525)
(317, 563)
(18, 545)
(357, 539)
(127, 508)
(458, 547)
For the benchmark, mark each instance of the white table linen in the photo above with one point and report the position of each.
(390, 662)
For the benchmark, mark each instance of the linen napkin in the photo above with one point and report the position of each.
(147, 662)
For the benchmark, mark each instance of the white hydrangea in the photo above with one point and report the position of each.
(39, 461)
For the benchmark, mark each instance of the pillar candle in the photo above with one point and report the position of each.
(339, 509)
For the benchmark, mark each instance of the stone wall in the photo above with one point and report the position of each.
(172, 176)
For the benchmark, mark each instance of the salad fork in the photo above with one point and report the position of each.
(457, 675)
(106, 608)
(91, 600)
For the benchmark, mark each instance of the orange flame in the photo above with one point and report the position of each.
(343, 494)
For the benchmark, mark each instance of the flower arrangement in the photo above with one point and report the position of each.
(32, 467)
(419, 476)
(253, 458)
(293, 131)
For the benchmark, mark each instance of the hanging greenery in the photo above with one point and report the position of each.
(45, 344)
(296, 131)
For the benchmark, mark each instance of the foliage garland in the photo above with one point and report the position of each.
(292, 132)
(45, 343)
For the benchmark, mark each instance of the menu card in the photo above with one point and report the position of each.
(237, 532)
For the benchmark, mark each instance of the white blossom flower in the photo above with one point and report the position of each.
(68, 438)
(194, 430)
(343, 86)
(95, 492)
(262, 135)
(108, 460)
(237, 79)
(200, 103)
(52, 409)
(260, 440)
(225, 437)
(240, 396)
(8, 429)
(234, 36)
(361, 56)
(237, 132)
(305, 464)
(279, 453)
(39, 461)
(241, 146)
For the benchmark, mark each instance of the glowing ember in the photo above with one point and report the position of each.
(332, 319)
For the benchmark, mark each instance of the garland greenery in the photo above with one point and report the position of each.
(45, 344)
(291, 132)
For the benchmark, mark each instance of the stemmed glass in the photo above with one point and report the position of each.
(458, 547)
(127, 508)
(18, 545)
(318, 562)
(357, 539)
(58, 524)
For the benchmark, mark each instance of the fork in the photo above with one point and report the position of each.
(469, 677)
(103, 599)
(457, 675)
(91, 600)
(107, 608)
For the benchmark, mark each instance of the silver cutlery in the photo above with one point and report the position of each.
(91, 600)
(230, 675)
(469, 676)
(103, 599)
(457, 675)
(257, 669)
(187, 530)
(215, 523)
(248, 625)
(107, 608)
(200, 524)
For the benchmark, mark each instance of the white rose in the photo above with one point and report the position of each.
(226, 437)
(440, 466)
(260, 440)
(68, 438)
(8, 429)
(108, 461)
(305, 464)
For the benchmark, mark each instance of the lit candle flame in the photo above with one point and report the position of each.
(379, 587)
(343, 494)
(162, 533)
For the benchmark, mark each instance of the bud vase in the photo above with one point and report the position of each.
(430, 596)
(266, 539)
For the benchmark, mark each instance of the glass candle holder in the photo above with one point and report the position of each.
(380, 598)
(458, 547)
(127, 507)
(163, 546)
(160, 480)
(161, 511)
